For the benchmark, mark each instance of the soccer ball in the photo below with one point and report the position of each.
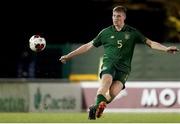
(37, 43)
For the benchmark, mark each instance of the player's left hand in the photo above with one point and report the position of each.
(63, 59)
(172, 49)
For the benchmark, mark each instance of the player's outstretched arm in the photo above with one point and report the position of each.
(82, 49)
(158, 46)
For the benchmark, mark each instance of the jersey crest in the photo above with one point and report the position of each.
(112, 37)
(126, 36)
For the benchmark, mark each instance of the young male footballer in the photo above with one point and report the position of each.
(118, 41)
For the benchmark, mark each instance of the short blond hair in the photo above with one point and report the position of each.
(120, 8)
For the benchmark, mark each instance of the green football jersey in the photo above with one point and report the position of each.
(118, 46)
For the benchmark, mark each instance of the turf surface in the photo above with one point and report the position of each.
(82, 118)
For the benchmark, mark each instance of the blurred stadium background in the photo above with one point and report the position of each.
(37, 83)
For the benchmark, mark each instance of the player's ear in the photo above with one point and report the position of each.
(124, 16)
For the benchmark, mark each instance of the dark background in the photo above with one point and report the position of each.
(60, 22)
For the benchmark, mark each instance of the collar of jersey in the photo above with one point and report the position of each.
(123, 28)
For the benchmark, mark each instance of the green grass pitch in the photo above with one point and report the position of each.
(82, 118)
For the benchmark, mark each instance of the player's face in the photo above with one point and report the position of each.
(118, 18)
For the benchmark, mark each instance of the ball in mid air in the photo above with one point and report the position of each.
(37, 43)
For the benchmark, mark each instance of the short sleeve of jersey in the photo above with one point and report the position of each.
(97, 40)
(140, 37)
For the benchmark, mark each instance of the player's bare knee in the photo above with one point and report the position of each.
(107, 78)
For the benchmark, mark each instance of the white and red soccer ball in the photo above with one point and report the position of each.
(37, 43)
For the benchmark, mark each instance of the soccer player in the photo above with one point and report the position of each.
(118, 41)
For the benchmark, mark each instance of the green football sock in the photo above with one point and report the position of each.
(99, 99)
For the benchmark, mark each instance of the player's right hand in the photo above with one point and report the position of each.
(63, 59)
(172, 49)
